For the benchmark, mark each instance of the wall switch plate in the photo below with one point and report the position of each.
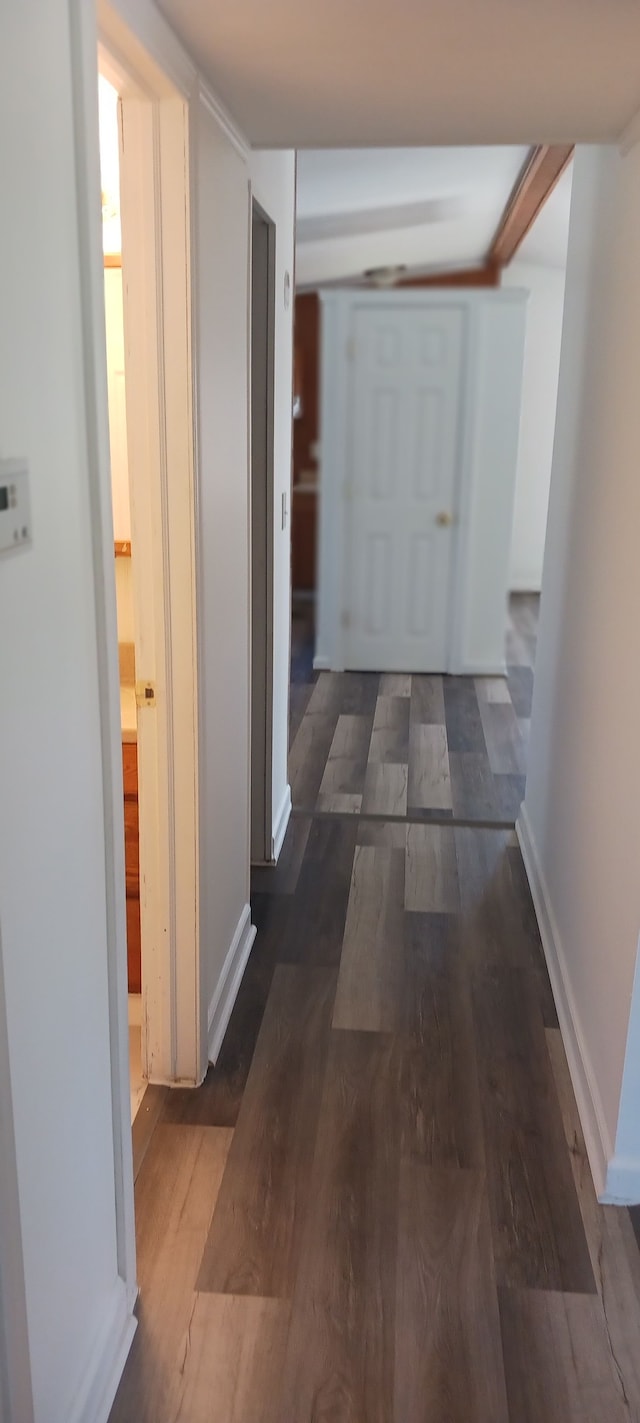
(15, 512)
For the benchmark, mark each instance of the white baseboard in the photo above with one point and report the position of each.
(94, 1399)
(282, 822)
(321, 663)
(598, 1144)
(480, 669)
(221, 1005)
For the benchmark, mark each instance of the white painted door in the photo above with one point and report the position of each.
(401, 490)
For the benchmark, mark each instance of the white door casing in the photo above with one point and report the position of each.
(401, 487)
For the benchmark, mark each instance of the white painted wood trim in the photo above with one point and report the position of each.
(224, 120)
(94, 1399)
(157, 244)
(590, 1111)
(321, 663)
(91, 270)
(135, 30)
(481, 669)
(221, 1005)
(284, 815)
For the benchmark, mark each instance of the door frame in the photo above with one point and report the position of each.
(160, 130)
(256, 211)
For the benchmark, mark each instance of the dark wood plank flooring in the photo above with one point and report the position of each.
(418, 747)
(378, 1207)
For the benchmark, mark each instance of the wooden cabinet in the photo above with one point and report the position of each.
(132, 863)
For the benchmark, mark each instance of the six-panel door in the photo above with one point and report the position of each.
(401, 488)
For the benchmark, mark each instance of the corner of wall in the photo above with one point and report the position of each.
(226, 991)
(590, 1111)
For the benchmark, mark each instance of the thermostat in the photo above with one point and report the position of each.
(15, 514)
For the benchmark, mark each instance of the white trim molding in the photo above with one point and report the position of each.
(281, 824)
(223, 119)
(590, 1111)
(226, 992)
(98, 1388)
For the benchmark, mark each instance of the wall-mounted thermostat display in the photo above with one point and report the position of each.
(15, 513)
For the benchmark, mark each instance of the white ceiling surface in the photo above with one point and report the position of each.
(327, 73)
(426, 208)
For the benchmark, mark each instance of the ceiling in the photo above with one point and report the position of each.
(426, 208)
(327, 73)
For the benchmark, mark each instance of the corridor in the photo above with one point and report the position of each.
(426, 748)
(378, 1207)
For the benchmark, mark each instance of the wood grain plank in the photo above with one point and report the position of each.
(429, 784)
(385, 789)
(390, 735)
(395, 684)
(389, 833)
(282, 878)
(315, 928)
(340, 1353)
(498, 926)
(343, 778)
(308, 756)
(175, 1196)
(538, 1235)
(370, 992)
(492, 689)
(217, 1101)
(427, 700)
(440, 1101)
(254, 1239)
(431, 874)
(231, 1362)
(558, 1359)
(502, 735)
(473, 792)
(612, 1246)
(448, 1348)
(462, 715)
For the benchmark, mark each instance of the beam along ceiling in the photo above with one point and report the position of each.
(344, 73)
(429, 209)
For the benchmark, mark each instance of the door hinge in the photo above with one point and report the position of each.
(145, 694)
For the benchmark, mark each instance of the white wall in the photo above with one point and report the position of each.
(580, 823)
(273, 179)
(57, 881)
(52, 837)
(545, 287)
(223, 288)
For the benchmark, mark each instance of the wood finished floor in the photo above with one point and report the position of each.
(378, 1208)
(416, 747)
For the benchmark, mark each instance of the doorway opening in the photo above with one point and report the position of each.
(149, 572)
(263, 260)
(424, 410)
(123, 564)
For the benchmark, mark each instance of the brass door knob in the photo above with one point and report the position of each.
(444, 519)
